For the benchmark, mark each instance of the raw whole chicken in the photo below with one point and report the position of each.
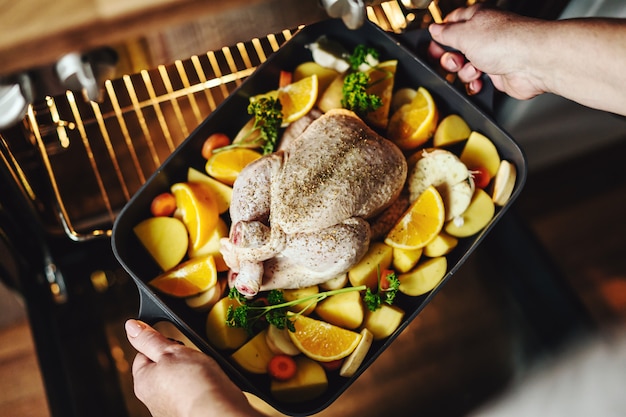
(299, 215)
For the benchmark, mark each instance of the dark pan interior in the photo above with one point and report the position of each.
(228, 118)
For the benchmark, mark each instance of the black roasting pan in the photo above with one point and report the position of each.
(228, 118)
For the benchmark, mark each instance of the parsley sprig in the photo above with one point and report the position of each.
(354, 93)
(249, 314)
(355, 96)
(268, 118)
(362, 55)
(386, 291)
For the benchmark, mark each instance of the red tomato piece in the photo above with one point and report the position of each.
(332, 365)
(384, 278)
(163, 205)
(481, 177)
(282, 367)
(214, 141)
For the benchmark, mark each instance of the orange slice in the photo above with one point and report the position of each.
(415, 122)
(381, 84)
(297, 98)
(188, 278)
(226, 165)
(199, 211)
(323, 341)
(420, 224)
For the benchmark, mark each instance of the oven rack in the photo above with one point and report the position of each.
(96, 155)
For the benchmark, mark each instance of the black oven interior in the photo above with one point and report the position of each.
(71, 165)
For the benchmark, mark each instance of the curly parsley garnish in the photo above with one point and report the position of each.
(355, 96)
(363, 55)
(249, 314)
(268, 118)
(386, 291)
(354, 93)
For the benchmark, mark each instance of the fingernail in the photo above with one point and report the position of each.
(470, 88)
(450, 64)
(133, 327)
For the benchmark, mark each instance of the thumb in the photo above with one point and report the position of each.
(443, 34)
(146, 339)
(451, 32)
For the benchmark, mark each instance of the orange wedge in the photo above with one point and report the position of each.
(420, 224)
(323, 341)
(297, 98)
(226, 165)
(188, 278)
(415, 122)
(381, 84)
(199, 211)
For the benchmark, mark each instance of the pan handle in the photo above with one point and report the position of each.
(417, 42)
(149, 310)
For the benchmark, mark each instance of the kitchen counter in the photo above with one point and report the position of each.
(36, 33)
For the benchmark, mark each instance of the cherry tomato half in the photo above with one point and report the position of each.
(163, 205)
(384, 278)
(481, 177)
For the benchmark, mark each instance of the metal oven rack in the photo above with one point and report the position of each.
(96, 155)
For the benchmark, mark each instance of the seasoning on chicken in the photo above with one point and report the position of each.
(299, 216)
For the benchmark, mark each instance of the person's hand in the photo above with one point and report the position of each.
(491, 42)
(173, 380)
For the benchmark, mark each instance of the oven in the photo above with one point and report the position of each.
(74, 159)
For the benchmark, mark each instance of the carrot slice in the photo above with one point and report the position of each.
(282, 367)
(214, 141)
(285, 79)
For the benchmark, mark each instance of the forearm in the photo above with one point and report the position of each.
(580, 59)
(585, 60)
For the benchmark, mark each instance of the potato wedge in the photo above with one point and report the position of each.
(479, 213)
(377, 258)
(306, 307)
(344, 310)
(254, 355)
(324, 75)
(451, 129)
(165, 238)
(220, 334)
(405, 259)
(424, 277)
(309, 382)
(336, 283)
(441, 245)
(384, 321)
(479, 151)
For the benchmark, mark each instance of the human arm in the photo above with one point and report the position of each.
(580, 59)
(173, 380)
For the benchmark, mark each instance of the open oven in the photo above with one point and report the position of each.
(71, 164)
